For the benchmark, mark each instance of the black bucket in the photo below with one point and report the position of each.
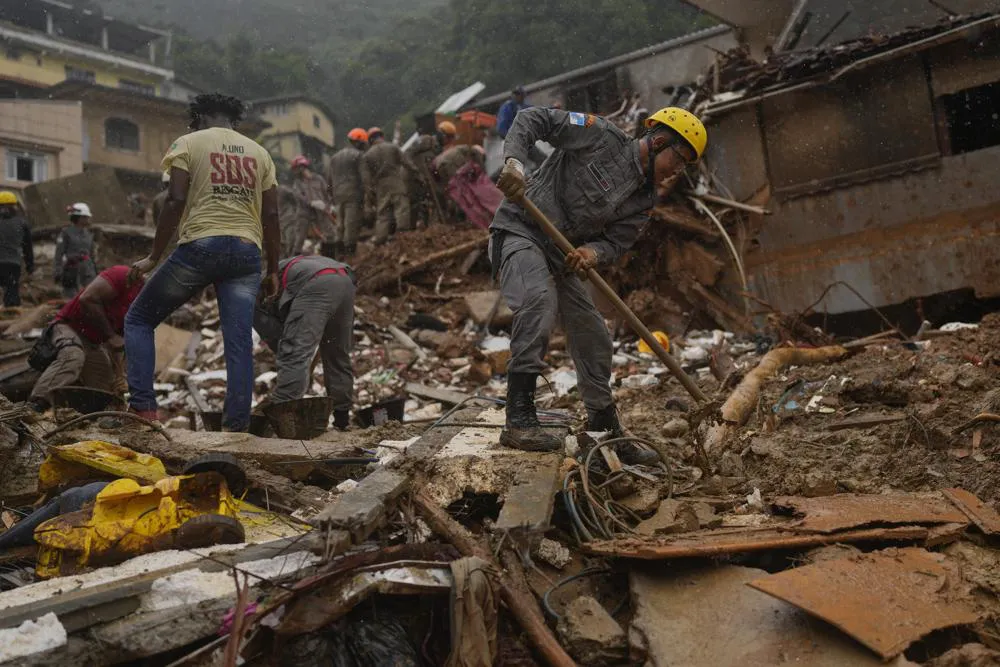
(389, 410)
(260, 425)
(302, 419)
(85, 400)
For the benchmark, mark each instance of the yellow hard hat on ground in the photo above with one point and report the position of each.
(660, 337)
(683, 123)
(8, 198)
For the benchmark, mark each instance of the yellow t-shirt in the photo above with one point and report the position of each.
(229, 172)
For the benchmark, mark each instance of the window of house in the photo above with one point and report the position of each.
(280, 109)
(316, 121)
(122, 134)
(136, 87)
(973, 118)
(26, 167)
(76, 74)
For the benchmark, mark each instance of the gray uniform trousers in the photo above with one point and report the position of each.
(537, 297)
(349, 217)
(321, 314)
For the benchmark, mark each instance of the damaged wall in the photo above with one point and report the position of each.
(868, 190)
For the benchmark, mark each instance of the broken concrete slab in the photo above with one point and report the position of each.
(853, 511)
(473, 460)
(708, 544)
(591, 635)
(985, 517)
(886, 600)
(360, 510)
(705, 616)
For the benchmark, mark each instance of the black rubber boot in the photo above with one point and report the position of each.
(628, 452)
(522, 429)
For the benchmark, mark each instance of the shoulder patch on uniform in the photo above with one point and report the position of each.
(578, 119)
(591, 119)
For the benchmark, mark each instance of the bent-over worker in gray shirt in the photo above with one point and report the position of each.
(314, 308)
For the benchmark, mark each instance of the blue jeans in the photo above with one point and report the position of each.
(231, 264)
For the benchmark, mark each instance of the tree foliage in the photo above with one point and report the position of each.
(381, 60)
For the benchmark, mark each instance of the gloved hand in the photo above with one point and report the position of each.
(318, 205)
(341, 419)
(511, 182)
(582, 259)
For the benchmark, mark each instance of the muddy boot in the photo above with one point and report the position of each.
(628, 452)
(523, 430)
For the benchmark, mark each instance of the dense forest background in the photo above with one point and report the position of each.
(381, 60)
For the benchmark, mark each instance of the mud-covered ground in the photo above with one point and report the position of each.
(795, 442)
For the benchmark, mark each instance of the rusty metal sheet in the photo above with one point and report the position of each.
(886, 600)
(849, 510)
(981, 514)
(707, 544)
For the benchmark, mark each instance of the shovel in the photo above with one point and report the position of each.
(633, 321)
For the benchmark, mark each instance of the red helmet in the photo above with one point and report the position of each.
(300, 161)
(358, 134)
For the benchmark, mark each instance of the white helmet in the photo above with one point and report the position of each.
(80, 209)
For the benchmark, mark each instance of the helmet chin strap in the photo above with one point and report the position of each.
(651, 154)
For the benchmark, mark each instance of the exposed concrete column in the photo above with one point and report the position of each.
(104, 38)
(50, 25)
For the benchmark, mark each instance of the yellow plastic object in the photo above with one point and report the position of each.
(127, 520)
(66, 464)
(684, 123)
(661, 338)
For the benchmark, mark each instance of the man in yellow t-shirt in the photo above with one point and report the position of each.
(224, 196)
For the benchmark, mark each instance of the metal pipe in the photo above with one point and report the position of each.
(634, 322)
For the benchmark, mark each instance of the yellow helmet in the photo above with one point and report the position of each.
(447, 127)
(8, 198)
(683, 123)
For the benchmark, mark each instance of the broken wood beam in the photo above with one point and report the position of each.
(522, 604)
(978, 512)
(865, 422)
(446, 396)
(362, 509)
(407, 342)
(196, 395)
(383, 278)
(682, 220)
(724, 542)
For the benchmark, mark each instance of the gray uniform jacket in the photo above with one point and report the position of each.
(382, 169)
(15, 242)
(345, 176)
(74, 247)
(592, 187)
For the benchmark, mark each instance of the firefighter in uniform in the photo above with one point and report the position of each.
(597, 188)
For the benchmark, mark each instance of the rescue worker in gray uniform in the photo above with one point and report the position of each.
(384, 172)
(597, 188)
(74, 262)
(344, 179)
(314, 308)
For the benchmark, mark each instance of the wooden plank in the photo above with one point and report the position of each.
(446, 396)
(867, 421)
(981, 514)
(709, 544)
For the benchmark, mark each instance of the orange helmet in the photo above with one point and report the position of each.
(300, 161)
(357, 134)
(447, 127)
(372, 131)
